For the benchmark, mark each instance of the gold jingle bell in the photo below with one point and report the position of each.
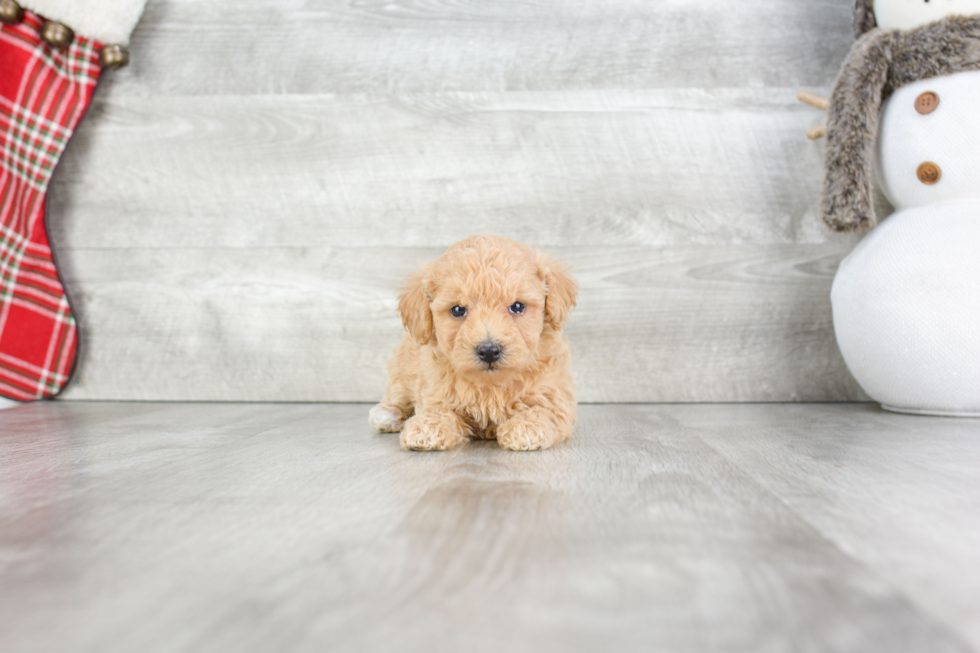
(113, 56)
(56, 35)
(11, 12)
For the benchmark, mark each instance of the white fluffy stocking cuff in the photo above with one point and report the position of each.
(107, 21)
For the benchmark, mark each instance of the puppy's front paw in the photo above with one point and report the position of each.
(386, 418)
(432, 431)
(528, 431)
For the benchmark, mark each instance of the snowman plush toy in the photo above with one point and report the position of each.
(905, 110)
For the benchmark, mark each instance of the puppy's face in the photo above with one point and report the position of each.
(485, 304)
(487, 319)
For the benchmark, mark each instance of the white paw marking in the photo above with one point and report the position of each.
(385, 419)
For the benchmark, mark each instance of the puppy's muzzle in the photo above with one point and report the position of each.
(489, 352)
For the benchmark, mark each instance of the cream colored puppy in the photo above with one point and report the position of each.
(484, 355)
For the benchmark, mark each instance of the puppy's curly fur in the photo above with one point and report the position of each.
(498, 366)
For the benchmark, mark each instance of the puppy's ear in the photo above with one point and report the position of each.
(413, 304)
(561, 291)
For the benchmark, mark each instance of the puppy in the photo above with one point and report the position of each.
(484, 355)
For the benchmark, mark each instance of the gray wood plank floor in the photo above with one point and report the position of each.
(256, 527)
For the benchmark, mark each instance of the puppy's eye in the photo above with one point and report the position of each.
(517, 308)
(457, 311)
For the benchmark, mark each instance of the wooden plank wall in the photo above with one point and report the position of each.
(240, 204)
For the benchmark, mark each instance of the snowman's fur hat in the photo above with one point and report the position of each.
(864, 16)
(880, 62)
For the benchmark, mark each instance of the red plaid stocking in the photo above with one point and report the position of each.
(43, 94)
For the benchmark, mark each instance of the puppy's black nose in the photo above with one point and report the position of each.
(489, 352)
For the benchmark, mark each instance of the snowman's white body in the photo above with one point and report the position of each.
(906, 301)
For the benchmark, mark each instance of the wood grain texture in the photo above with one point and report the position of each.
(163, 527)
(312, 324)
(848, 473)
(235, 212)
(392, 46)
(556, 169)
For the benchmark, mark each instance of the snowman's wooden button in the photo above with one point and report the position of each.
(11, 12)
(929, 173)
(926, 103)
